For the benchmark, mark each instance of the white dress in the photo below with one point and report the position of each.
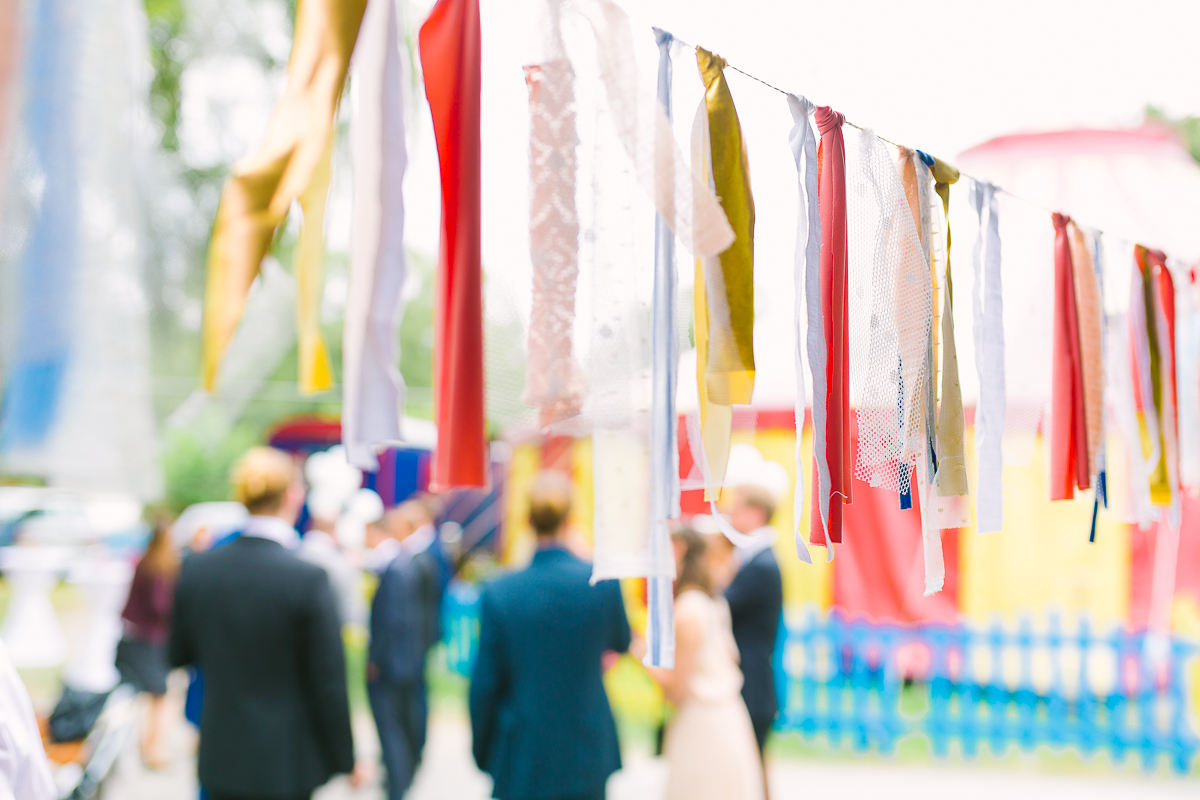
(24, 770)
(710, 747)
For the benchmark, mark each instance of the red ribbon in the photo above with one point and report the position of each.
(831, 191)
(1068, 422)
(451, 62)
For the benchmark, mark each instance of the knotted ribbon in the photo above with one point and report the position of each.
(832, 487)
(988, 308)
(1068, 420)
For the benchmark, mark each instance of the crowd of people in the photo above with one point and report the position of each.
(258, 615)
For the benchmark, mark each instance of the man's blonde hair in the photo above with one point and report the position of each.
(758, 497)
(261, 479)
(549, 502)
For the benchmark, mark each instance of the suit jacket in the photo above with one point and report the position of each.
(406, 616)
(264, 627)
(540, 718)
(755, 605)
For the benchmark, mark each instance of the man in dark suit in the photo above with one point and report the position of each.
(264, 627)
(405, 624)
(541, 722)
(755, 597)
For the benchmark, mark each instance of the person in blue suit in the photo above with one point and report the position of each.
(541, 722)
(755, 597)
(405, 625)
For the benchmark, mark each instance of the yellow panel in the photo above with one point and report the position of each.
(523, 467)
(581, 475)
(1042, 560)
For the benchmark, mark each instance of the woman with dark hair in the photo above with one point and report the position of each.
(709, 746)
(142, 652)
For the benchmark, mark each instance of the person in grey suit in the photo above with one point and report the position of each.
(540, 718)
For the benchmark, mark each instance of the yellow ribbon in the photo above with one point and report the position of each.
(952, 457)
(724, 322)
(265, 183)
(729, 368)
(316, 374)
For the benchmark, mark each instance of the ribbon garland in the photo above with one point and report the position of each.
(451, 62)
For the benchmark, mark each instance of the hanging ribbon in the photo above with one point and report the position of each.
(1090, 306)
(265, 183)
(554, 381)
(829, 495)
(1140, 417)
(988, 308)
(451, 62)
(1068, 421)
(807, 278)
(680, 195)
(664, 450)
(10, 52)
(1164, 295)
(316, 375)
(46, 275)
(951, 474)
(724, 286)
(372, 388)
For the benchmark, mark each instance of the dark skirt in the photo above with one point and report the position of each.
(143, 665)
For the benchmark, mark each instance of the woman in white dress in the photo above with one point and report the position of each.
(709, 746)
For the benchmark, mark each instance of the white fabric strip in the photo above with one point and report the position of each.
(664, 450)
(373, 391)
(988, 310)
(803, 141)
(687, 205)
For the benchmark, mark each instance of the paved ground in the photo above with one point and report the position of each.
(448, 773)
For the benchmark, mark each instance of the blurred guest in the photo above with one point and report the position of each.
(709, 746)
(382, 547)
(264, 627)
(320, 546)
(755, 597)
(24, 769)
(142, 651)
(540, 719)
(405, 625)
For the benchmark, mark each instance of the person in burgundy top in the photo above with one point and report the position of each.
(142, 652)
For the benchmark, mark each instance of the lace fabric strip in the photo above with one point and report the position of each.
(686, 203)
(988, 314)
(372, 388)
(803, 142)
(554, 380)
